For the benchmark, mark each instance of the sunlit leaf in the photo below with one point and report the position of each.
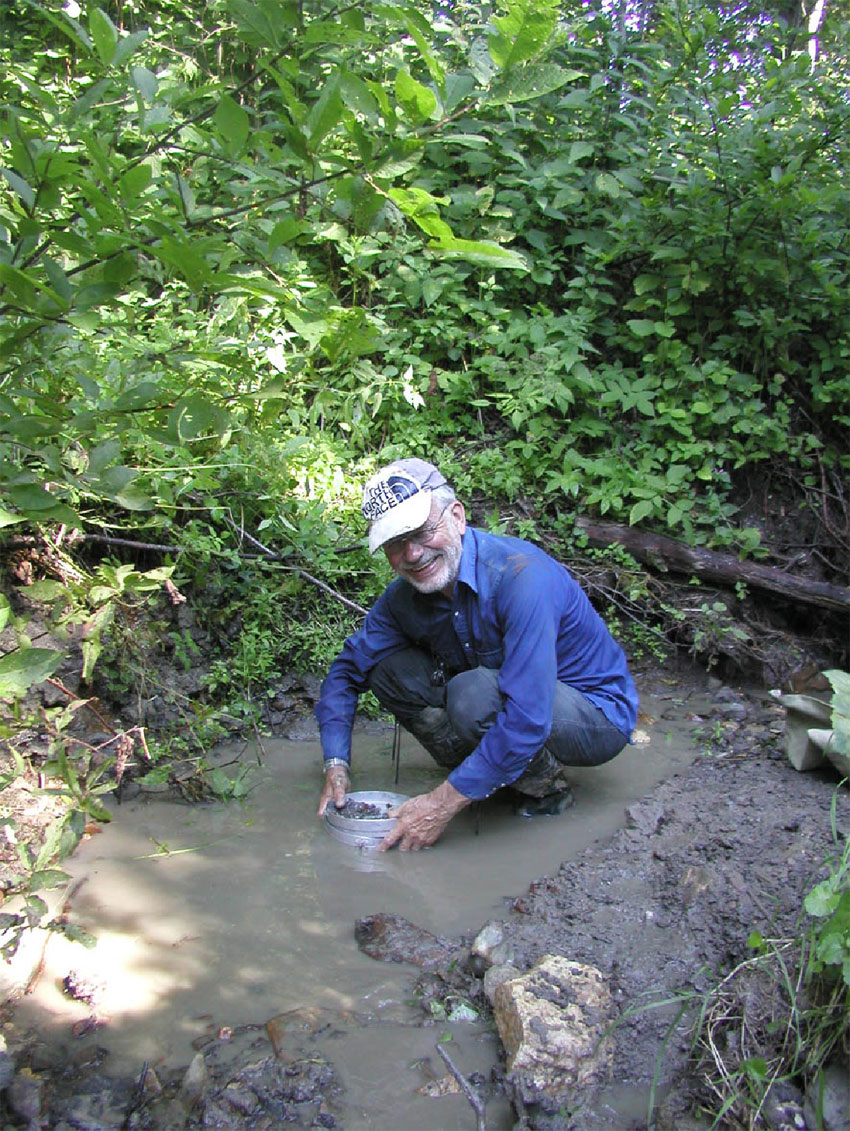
(529, 82)
(417, 102)
(24, 667)
(523, 32)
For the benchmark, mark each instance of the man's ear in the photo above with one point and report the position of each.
(459, 515)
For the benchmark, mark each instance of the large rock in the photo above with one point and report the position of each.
(552, 1022)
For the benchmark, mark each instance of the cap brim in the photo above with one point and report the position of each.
(407, 516)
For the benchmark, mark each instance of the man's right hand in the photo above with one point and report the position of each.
(335, 788)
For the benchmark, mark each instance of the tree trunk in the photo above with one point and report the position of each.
(665, 554)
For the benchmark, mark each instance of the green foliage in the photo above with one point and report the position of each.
(840, 682)
(208, 254)
(828, 903)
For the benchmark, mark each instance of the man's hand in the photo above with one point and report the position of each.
(335, 788)
(422, 819)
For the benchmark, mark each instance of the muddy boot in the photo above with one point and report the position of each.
(432, 728)
(543, 789)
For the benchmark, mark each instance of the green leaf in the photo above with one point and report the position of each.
(326, 111)
(21, 188)
(357, 96)
(418, 102)
(23, 667)
(145, 82)
(232, 122)
(645, 283)
(47, 879)
(59, 282)
(46, 590)
(195, 418)
(128, 45)
(481, 252)
(579, 150)
(822, 899)
(22, 286)
(135, 181)
(423, 209)
(285, 231)
(133, 498)
(607, 184)
(104, 35)
(75, 933)
(101, 456)
(523, 32)
(529, 82)
(640, 510)
(9, 519)
(137, 397)
(641, 327)
(94, 294)
(39, 505)
(258, 22)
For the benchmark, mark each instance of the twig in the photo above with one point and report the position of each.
(471, 1095)
(266, 552)
(87, 703)
(243, 533)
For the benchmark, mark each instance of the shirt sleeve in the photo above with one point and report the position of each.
(529, 619)
(348, 677)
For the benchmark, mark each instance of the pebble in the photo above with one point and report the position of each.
(23, 1097)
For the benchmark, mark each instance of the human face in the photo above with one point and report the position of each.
(429, 558)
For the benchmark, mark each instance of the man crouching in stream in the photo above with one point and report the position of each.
(486, 650)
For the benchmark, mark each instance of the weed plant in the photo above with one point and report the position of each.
(783, 1014)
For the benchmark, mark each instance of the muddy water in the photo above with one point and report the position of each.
(226, 915)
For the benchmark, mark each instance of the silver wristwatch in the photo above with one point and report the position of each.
(329, 762)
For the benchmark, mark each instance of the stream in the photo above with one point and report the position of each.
(212, 919)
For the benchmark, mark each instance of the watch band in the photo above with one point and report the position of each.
(329, 762)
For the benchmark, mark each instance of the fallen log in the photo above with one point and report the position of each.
(662, 553)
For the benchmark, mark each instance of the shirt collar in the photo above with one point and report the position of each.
(469, 559)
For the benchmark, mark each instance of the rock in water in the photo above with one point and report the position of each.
(392, 938)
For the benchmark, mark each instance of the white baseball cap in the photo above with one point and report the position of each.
(397, 499)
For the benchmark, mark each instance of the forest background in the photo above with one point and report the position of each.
(590, 258)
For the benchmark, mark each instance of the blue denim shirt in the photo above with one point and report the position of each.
(515, 609)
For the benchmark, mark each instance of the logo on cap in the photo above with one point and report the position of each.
(387, 493)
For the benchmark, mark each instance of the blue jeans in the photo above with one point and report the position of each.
(450, 719)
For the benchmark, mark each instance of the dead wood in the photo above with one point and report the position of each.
(665, 554)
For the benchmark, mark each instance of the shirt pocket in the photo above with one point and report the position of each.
(491, 657)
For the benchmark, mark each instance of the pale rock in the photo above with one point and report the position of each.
(494, 976)
(552, 1022)
(489, 946)
(194, 1083)
(831, 1096)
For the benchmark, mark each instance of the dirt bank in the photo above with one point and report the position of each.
(728, 849)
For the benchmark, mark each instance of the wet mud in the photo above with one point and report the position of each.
(231, 933)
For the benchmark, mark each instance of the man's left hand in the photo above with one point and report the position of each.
(421, 820)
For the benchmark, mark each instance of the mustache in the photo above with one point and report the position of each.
(423, 563)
